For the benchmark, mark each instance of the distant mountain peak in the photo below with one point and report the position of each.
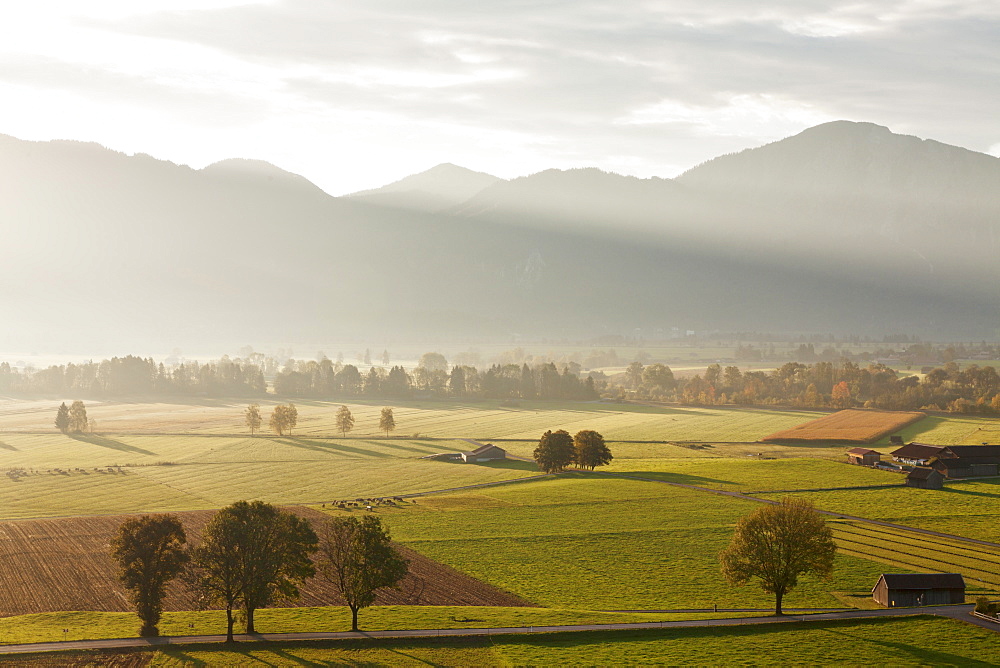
(440, 187)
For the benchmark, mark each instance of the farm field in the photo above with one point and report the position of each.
(908, 551)
(951, 430)
(913, 641)
(481, 420)
(605, 543)
(754, 475)
(63, 564)
(67, 475)
(849, 426)
(963, 508)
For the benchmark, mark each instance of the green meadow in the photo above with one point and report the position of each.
(583, 541)
(912, 641)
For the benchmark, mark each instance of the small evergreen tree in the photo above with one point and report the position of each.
(62, 418)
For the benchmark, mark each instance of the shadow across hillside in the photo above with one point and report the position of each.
(329, 447)
(110, 443)
(7, 446)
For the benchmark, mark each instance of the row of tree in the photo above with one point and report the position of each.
(252, 555)
(132, 375)
(974, 389)
(285, 416)
(508, 381)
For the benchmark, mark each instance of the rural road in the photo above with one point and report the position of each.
(960, 612)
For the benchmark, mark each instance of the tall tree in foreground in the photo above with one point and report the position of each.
(345, 421)
(253, 418)
(150, 552)
(555, 451)
(77, 417)
(590, 450)
(358, 557)
(777, 544)
(253, 555)
(62, 418)
(386, 422)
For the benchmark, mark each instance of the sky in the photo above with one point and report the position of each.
(355, 95)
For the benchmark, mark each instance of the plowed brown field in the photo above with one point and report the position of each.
(850, 426)
(62, 564)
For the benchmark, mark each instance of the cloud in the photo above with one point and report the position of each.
(648, 87)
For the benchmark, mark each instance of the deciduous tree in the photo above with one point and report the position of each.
(386, 422)
(590, 449)
(777, 544)
(253, 555)
(283, 418)
(555, 451)
(77, 417)
(150, 552)
(345, 421)
(358, 557)
(253, 418)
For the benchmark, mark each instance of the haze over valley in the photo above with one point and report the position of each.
(845, 228)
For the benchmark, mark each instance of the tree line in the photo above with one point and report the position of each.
(974, 389)
(132, 375)
(508, 381)
(253, 555)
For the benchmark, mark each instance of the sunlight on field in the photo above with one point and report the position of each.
(630, 537)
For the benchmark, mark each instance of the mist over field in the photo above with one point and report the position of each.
(845, 228)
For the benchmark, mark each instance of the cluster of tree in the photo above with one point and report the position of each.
(557, 450)
(975, 389)
(73, 419)
(253, 555)
(133, 375)
(432, 377)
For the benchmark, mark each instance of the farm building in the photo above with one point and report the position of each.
(484, 453)
(916, 454)
(863, 456)
(968, 461)
(900, 590)
(924, 477)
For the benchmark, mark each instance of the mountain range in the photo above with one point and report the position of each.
(844, 228)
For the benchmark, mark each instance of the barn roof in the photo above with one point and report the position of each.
(972, 451)
(917, 451)
(920, 473)
(923, 580)
(483, 448)
(863, 451)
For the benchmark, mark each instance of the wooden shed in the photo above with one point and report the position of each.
(924, 477)
(484, 453)
(863, 456)
(966, 467)
(901, 590)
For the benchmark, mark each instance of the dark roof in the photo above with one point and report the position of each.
(923, 580)
(959, 462)
(972, 451)
(917, 451)
(921, 473)
(483, 449)
(863, 451)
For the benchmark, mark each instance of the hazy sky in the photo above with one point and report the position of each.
(357, 94)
